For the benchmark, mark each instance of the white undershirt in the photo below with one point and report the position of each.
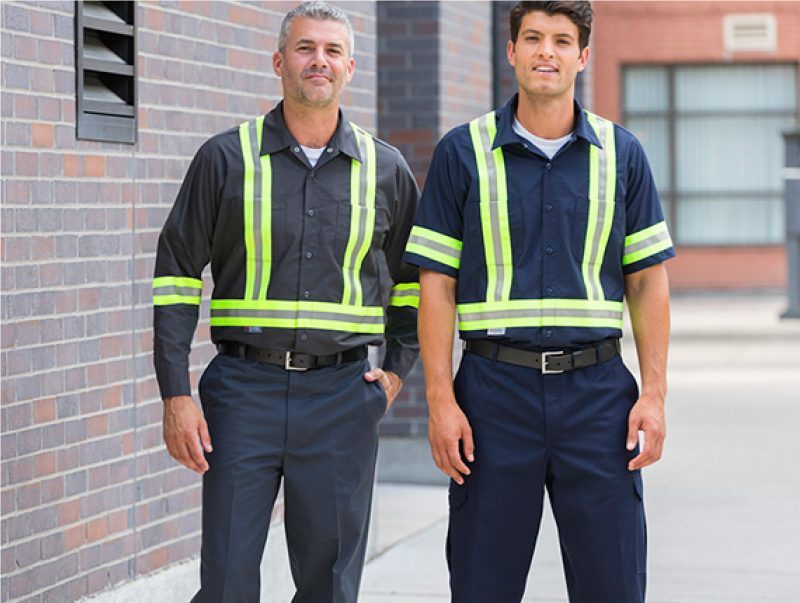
(312, 154)
(548, 146)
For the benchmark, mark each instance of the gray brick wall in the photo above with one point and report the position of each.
(89, 496)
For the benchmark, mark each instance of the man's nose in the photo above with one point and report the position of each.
(320, 59)
(547, 48)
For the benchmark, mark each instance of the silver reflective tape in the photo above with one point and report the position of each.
(644, 243)
(494, 215)
(292, 315)
(538, 313)
(258, 252)
(175, 290)
(434, 246)
(594, 249)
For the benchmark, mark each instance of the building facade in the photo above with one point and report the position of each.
(90, 499)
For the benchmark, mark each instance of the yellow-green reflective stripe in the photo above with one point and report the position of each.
(293, 314)
(602, 190)
(645, 234)
(483, 190)
(437, 256)
(493, 208)
(177, 281)
(437, 237)
(257, 205)
(300, 323)
(645, 243)
(497, 162)
(362, 217)
(540, 312)
(266, 224)
(247, 200)
(168, 300)
(367, 224)
(542, 321)
(289, 305)
(610, 181)
(436, 246)
(405, 294)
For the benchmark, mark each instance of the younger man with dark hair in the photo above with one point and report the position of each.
(535, 221)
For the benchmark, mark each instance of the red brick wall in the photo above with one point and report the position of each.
(435, 72)
(89, 496)
(690, 32)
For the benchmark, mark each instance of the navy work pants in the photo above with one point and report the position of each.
(316, 430)
(564, 433)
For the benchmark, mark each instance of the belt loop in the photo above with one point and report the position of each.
(495, 352)
(242, 351)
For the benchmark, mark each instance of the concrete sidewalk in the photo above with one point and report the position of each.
(722, 504)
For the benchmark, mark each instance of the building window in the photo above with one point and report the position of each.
(105, 69)
(713, 137)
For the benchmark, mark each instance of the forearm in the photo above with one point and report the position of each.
(437, 312)
(647, 293)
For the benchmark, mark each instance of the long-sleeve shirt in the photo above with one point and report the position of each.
(304, 258)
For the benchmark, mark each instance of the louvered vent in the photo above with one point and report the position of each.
(750, 32)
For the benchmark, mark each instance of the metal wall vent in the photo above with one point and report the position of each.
(750, 32)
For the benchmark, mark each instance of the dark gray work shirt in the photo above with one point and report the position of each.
(308, 242)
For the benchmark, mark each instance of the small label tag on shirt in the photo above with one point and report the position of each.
(496, 331)
(253, 330)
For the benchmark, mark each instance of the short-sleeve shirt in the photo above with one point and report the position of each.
(562, 293)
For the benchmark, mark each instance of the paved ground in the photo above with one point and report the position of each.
(723, 504)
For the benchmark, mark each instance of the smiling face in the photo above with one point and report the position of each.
(546, 56)
(316, 64)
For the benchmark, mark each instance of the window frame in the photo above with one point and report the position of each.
(671, 115)
(98, 120)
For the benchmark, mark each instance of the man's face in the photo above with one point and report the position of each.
(316, 63)
(546, 56)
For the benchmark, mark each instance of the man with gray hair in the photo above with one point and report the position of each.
(303, 217)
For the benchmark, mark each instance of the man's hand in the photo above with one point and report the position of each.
(391, 382)
(647, 415)
(186, 433)
(447, 426)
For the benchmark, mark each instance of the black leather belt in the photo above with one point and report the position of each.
(290, 361)
(549, 362)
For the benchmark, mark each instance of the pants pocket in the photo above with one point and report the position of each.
(641, 524)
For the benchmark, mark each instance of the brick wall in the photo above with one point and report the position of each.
(680, 33)
(435, 72)
(89, 496)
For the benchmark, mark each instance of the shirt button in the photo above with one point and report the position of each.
(548, 334)
(548, 207)
(548, 166)
(329, 150)
(303, 337)
(312, 174)
(310, 212)
(309, 255)
(296, 149)
(548, 250)
(306, 294)
(549, 291)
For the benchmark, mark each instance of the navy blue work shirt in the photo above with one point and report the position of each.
(548, 216)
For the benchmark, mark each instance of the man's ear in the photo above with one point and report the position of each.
(511, 53)
(277, 63)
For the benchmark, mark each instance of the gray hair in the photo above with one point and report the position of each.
(321, 11)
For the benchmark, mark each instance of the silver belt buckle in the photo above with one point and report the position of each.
(287, 363)
(545, 356)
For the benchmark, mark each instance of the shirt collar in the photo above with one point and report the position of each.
(276, 136)
(505, 125)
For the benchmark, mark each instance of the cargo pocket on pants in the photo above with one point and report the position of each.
(641, 524)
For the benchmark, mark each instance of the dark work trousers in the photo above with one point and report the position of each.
(565, 433)
(316, 430)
